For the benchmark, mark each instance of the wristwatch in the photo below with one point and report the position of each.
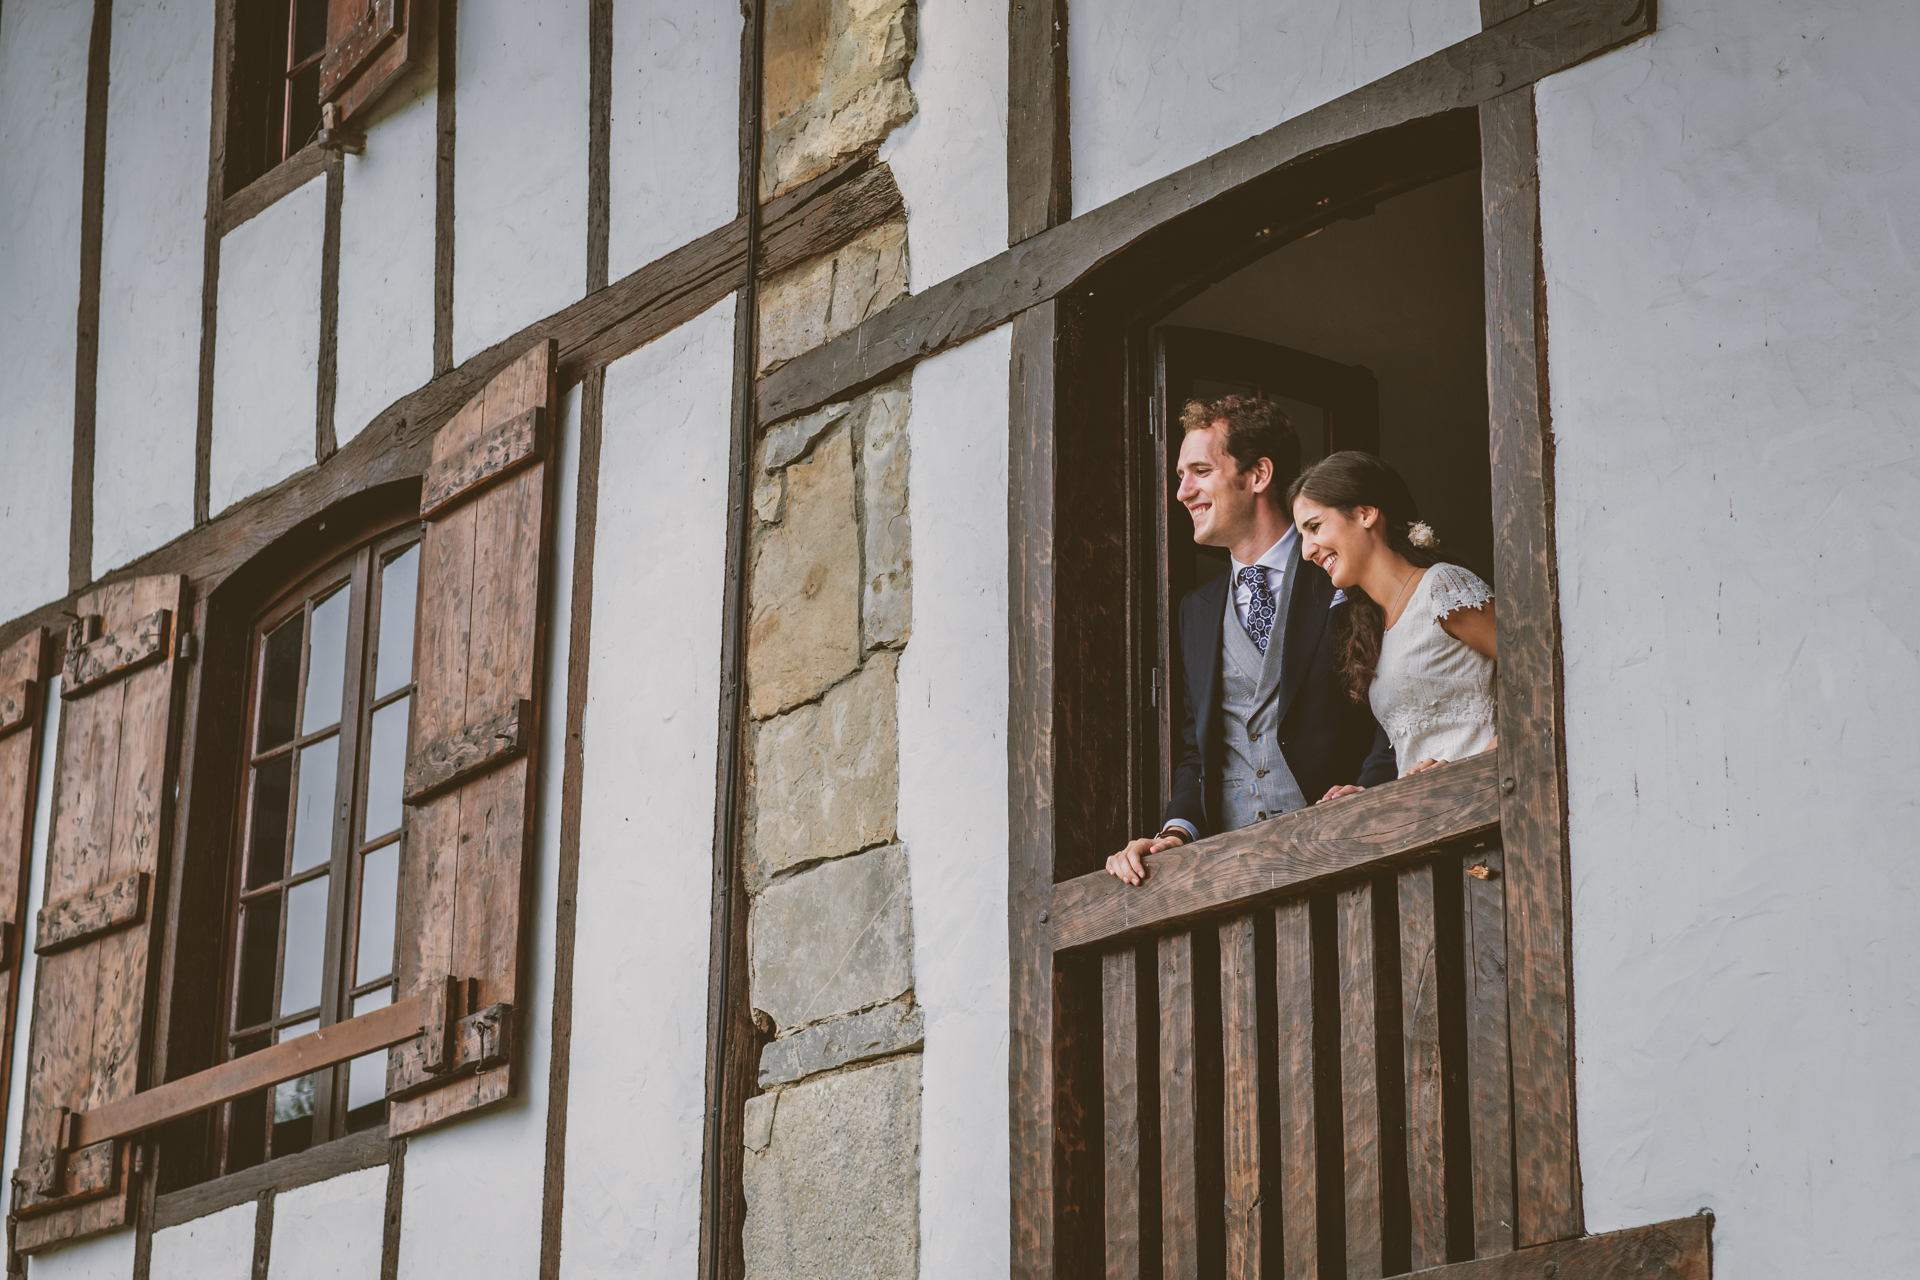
(1179, 833)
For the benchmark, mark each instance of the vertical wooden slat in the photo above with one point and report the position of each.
(1420, 1030)
(1240, 1051)
(1293, 972)
(1120, 1036)
(1533, 795)
(1359, 1083)
(1488, 1083)
(1039, 171)
(1179, 1111)
(23, 663)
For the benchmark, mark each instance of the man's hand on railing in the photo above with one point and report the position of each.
(1130, 864)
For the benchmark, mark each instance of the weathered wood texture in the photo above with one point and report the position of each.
(296, 171)
(1420, 1035)
(438, 766)
(86, 916)
(1039, 157)
(1030, 791)
(86, 361)
(23, 665)
(1680, 1249)
(1245, 1133)
(106, 656)
(1359, 1075)
(1294, 1092)
(1282, 855)
(466, 866)
(489, 457)
(397, 445)
(111, 820)
(1545, 39)
(1531, 754)
(355, 1151)
(1121, 1080)
(1489, 1080)
(369, 46)
(288, 1060)
(1180, 1140)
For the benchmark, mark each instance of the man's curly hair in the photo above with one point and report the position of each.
(1256, 429)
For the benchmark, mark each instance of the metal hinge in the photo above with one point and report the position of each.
(1153, 415)
(1156, 686)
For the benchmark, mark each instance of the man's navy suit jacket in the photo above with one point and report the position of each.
(1327, 738)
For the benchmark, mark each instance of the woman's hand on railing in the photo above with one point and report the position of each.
(1130, 864)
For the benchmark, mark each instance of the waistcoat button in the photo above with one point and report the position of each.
(1259, 773)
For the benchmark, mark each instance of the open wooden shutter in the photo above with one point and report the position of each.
(22, 668)
(471, 768)
(94, 935)
(370, 43)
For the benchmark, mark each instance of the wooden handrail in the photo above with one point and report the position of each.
(288, 1060)
(1282, 855)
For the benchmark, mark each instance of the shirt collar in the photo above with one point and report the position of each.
(1276, 557)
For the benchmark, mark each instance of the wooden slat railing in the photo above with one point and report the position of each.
(1285, 855)
(1305, 1039)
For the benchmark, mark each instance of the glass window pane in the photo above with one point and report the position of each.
(379, 897)
(399, 587)
(326, 662)
(279, 685)
(259, 947)
(367, 1077)
(306, 946)
(267, 834)
(309, 29)
(293, 1103)
(386, 768)
(313, 824)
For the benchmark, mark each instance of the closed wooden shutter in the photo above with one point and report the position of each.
(370, 44)
(471, 767)
(93, 986)
(22, 668)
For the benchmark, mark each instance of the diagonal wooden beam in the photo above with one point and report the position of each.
(1679, 1249)
(1545, 39)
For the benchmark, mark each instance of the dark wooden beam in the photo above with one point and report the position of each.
(296, 171)
(364, 1150)
(447, 44)
(86, 355)
(325, 443)
(1533, 802)
(1039, 144)
(812, 219)
(1030, 725)
(1282, 856)
(1548, 38)
(1681, 1249)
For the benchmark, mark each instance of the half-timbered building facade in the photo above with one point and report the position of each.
(586, 587)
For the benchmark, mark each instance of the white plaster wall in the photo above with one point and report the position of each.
(951, 158)
(638, 1083)
(473, 1190)
(266, 354)
(216, 1247)
(1159, 84)
(953, 800)
(152, 254)
(674, 145)
(332, 1228)
(520, 167)
(29, 958)
(107, 1257)
(1731, 210)
(385, 342)
(43, 106)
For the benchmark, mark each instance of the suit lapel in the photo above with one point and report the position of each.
(1203, 654)
(1306, 620)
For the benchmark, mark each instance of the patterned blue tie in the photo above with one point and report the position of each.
(1261, 608)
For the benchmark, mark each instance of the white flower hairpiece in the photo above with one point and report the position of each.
(1421, 535)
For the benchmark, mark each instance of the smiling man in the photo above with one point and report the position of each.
(1267, 722)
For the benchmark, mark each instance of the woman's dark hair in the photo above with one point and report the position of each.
(1345, 481)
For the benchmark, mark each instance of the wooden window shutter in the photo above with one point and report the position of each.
(471, 770)
(370, 44)
(92, 990)
(22, 669)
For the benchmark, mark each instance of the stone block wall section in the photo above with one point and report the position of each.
(832, 1173)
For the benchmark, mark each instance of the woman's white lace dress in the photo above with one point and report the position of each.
(1432, 693)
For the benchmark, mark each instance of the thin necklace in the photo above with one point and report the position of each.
(1403, 591)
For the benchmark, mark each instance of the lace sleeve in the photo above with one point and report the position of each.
(1451, 588)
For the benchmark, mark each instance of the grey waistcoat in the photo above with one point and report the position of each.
(1255, 782)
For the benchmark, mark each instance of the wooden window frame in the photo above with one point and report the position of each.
(1075, 792)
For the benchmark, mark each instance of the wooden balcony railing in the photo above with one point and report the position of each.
(1303, 1041)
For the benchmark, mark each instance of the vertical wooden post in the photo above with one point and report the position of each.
(1030, 752)
(1420, 1027)
(1359, 1083)
(1532, 770)
(1293, 989)
(1120, 1036)
(1489, 1074)
(1246, 1242)
(1039, 167)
